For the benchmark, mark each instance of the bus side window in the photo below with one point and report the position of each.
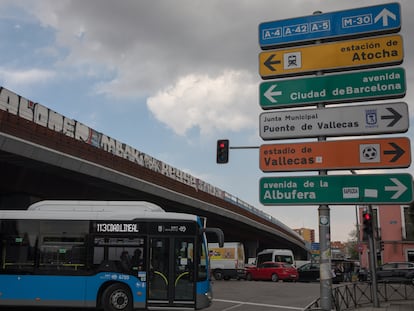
(17, 254)
(125, 261)
(137, 261)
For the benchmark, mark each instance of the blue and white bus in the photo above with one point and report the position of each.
(113, 255)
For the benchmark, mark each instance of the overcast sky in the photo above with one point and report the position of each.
(166, 77)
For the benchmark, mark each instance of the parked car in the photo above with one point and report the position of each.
(364, 275)
(396, 272)
(310, 273)
(274, 271)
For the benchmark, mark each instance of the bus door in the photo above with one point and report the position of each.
(171, 281)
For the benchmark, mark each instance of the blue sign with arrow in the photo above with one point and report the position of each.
(370, 20)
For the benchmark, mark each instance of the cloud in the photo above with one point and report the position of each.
(22, 77)
(224, 103)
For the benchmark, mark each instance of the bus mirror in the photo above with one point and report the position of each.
(218, 232)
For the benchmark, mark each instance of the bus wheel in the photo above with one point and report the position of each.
(117, 297)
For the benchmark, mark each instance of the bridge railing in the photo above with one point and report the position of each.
(242, 204)
(359, 294)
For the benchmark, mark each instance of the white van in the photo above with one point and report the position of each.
(227, 262)
(276, 255)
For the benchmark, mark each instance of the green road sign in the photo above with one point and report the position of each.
(337, 189)
(359, 86)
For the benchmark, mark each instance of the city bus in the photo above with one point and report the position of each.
(112, 255)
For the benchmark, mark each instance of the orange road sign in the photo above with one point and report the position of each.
(339, 154)
(343, 55)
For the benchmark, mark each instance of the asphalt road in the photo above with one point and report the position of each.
(262, 295)
(246, 296)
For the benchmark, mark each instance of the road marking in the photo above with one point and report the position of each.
(255, 304)
(233, 307)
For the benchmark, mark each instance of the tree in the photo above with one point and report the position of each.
(352, 245)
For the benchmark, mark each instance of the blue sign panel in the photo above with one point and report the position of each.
(350, 23)
(315, 246)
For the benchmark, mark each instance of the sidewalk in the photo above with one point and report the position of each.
(404, 305)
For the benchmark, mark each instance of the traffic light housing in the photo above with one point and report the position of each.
(367, 223)
(222, 151)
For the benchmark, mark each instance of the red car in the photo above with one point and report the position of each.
(273, 271)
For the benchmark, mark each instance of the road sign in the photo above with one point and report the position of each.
(337, 189)
(344, 87)
(349, 23)
(336, 121)
(344, 55)
(334, 155)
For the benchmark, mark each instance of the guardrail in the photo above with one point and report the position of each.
(359, 294)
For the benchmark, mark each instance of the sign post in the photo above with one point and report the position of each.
(364, 21)
(344, 87)
(323, 56)
(335, 155)
(337, 189)
(328, 57)
(337, 121)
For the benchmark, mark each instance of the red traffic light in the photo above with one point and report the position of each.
(367, 224)
(367, 216)
(222, 155)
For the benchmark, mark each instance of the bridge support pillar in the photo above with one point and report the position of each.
(250, 248)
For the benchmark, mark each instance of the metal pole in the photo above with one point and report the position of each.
(325, 257)
(372, 263)
(325, 268)
(358, 228)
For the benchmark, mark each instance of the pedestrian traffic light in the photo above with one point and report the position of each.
(367, 223)
(222, 151)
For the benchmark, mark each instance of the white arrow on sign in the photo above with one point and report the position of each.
(399, 188)
(384, 16)
(269, 93)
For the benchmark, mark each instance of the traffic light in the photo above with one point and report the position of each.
(367, 223)
(222, 151)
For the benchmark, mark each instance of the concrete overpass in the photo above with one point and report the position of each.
(44, 155)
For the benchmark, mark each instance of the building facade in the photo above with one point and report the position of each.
(307, 234)
(393, 234)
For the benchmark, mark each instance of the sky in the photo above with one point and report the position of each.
(168, 78)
